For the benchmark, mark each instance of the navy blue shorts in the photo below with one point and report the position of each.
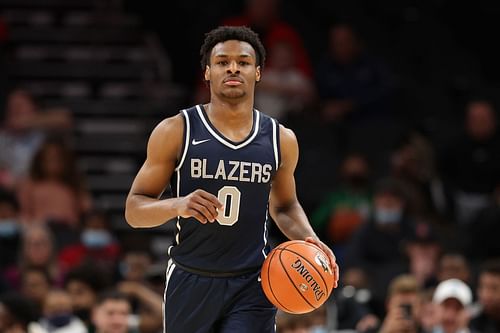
(201, 304)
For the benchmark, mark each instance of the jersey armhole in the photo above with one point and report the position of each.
(276, 143)
(186, 136)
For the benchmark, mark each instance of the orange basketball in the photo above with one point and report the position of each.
(297, 277)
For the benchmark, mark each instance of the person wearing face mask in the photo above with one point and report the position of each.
(10, 230)
(376, 247)
(58, 314)
(96, 245)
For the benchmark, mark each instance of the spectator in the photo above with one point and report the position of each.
(97, 245)
(427, 318)
(488, 319)
(454, 266)
(344, 210)
(23, 132)
(37, 251)
(58, 314)
(111, 313)
(351, 83)
(481, 236)
(16, 314)
(412, 163)
(54, 192)
(471, 163)
(10, 230)
(403, 306)
(284, 89)
(35, 285)
(262, 17)
(376, 246)
(84, 283)
(452, 297)
(423, 249)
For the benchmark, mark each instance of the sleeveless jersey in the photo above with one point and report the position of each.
(240, 175)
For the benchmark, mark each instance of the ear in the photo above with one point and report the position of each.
(257, 74)
(207, 73)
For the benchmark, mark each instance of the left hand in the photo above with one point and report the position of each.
(331, 257)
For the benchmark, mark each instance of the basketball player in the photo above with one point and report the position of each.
(229, 166)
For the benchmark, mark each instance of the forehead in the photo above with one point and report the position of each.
(233, 48)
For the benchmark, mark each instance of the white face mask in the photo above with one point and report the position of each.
(8, 228)
(388, 215)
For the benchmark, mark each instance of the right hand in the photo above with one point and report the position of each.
(201, 205)
(396, 322)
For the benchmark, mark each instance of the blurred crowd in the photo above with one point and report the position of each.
(416, 239)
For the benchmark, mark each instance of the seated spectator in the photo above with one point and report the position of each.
(111, 313)
(352, 84)
(481, 235)
(35, 285)
(376, 246)
(488, 319)
(423, 249)
(37, 251)
(344, 210)
(412, 163)
(84, 284)
(283, 89)
(471, 162)
(22, 133)
(17, 314)
(262, 16)
(97, 245)
(10, 230)
(402, 306)
(454, 266)
(58, 315)
(54, 191)
(452, 297)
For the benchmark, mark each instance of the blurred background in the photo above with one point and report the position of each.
(395, 106)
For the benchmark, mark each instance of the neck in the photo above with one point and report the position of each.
(231, 113)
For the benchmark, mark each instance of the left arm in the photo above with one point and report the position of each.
(284, 206)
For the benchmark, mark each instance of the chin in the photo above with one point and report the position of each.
(233, 94)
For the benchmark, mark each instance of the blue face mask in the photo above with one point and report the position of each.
(388, 215)
(96, 239)
(59, 320)
(8, 228)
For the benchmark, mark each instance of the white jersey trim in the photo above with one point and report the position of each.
(168, 274)
(275, 142)
(186, 140)
(224, 141)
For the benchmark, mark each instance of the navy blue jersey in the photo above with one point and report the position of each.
(240, 175)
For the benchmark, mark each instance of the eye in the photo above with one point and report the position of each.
(222, 63)
(244, 63)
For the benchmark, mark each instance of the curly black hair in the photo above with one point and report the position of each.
(224, 33)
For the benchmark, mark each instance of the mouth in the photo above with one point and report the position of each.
(233, 81)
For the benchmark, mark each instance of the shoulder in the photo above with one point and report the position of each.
(166, 139)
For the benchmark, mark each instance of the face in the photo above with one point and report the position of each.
(19, 108)
(37, 247)
(52, 160)
(480, 122)
(343, 44)
(112, 316)
(451, 315)
(453, 267)
(35, 286)
(57, 302)
(489, 293)
(82, 296)
(137, 265)
(233, 71)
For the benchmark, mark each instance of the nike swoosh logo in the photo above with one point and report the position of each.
(194, 142)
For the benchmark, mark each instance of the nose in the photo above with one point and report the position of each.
(233, 68)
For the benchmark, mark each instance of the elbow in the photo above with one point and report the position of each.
(130, 216)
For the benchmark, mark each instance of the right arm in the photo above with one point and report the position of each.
(143, 207)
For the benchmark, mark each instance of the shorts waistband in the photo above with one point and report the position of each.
(216, 274)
